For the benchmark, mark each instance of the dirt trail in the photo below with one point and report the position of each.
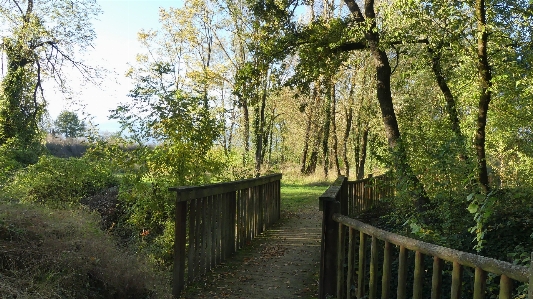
(281, 263)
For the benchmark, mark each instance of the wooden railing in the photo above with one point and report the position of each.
(350, 263)
(213, 221)
(362, 194)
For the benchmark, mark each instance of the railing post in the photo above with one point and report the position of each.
(179, 247)
(328, 277)
(344, 196)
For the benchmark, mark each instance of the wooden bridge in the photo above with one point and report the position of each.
(215, 221)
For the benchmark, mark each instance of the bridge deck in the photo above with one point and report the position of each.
(281, 263)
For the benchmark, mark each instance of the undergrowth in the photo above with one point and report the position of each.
(47, 253)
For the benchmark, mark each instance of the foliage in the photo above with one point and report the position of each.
(146, 173)
(14, 156)
(69, 124)
(19, 112)
(57, 182)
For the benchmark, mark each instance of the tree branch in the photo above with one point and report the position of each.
(18, 6)
(346, 47)
(355, 10)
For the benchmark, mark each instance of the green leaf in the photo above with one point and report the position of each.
(472, 208)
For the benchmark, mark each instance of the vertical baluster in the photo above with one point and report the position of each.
(340, 261)
(214, 229)
(232, 217)
(457, 280)
(179, 247)
(419, 275)
(436, 280)
(530, 289)
(402, 273)
(219, 226)
(209, 233)
(205, 234)
(385, 280)
(349, 274)
(480, 283)
(224, 221)
(192, 240)
(506, 287)
(373, 288)
(198, 238)
(362, 266)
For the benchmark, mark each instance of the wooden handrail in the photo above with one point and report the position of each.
(187, 193)
(516, 272)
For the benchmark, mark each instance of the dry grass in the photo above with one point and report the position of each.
(293, 176)
(65, 147)
(63, 254)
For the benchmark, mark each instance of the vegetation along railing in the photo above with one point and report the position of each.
(213, 221)
(355, 254)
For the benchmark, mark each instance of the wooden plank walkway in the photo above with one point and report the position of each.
(281, 263)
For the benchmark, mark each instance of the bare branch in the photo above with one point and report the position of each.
(18, 6)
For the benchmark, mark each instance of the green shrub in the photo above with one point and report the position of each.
(60, 182)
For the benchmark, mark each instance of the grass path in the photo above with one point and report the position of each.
(281, 263)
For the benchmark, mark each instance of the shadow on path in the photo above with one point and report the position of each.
(281, 263)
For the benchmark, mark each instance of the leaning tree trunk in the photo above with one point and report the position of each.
(384, 96)
(485, 78)
(451, 107)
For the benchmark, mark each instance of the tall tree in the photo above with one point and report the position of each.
(384, 96)
(42, 39)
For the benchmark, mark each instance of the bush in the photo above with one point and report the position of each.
(59, 182)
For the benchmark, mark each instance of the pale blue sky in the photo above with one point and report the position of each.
(116, 46)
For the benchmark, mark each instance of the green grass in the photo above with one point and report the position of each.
(295, 197)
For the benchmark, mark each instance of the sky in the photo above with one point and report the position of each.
(115, 46)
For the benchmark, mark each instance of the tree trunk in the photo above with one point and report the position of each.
(310, 113)
(485, 78)
(334, 130)
(360, 171)
(246, 133)
(451, 108)
(327, 123)
(349, 117)
(306, 143)
(313, 159)
(232, 126)
(259, 123)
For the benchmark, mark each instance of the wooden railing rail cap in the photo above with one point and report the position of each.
(516, 272)
(186, 193)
